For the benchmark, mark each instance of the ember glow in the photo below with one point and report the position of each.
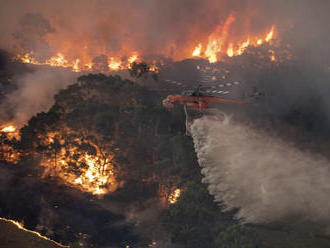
(79, 163)
(21, 226)
(78, 64)
(174, 196)
(7, 152)
(8, 129)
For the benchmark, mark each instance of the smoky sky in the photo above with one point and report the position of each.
(149, 26)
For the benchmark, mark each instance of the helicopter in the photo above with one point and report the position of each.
(196, 99)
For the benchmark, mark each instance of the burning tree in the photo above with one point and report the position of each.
(9, 144)
(77, 159)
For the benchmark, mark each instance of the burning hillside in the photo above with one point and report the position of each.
(97, 161)
(90, 144)
(103, 38)
(78, 161)
(70, 156)
(221, 42)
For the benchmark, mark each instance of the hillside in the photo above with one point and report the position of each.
(13, 237)
(138, 155)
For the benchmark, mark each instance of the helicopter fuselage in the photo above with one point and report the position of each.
(197, 102)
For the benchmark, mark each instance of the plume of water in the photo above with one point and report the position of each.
(264, 177)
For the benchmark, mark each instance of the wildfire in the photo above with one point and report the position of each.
(220, 43)
(9, 154)
(230, 51)
(8, 129)
(114, 64)
(21, 226)
(90, 168)
(133, 58)
(197, 50)
(174, 196)
(153, 68)
(7, 151)
(272, 55)
(223, 41)
(270, 35)
(58, 60)
(69, 156)
(77, 64)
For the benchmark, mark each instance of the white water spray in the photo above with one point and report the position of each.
(266, 178)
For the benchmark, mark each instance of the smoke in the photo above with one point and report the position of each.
(170, 28)
(31, 33)
(264, 177)
(35, 93)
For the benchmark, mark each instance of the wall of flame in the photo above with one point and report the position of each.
(85, 34)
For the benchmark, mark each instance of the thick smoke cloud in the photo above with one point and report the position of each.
(32, 31)
(170, 28)
(35, 93)
(266, 178)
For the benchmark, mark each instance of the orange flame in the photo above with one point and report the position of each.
(7, 152)
(270, 35)
(114, 64)
(197, 50)
(8, 129)
(93, 173)
(242, 47)
(153, 68)
(174, 196)
(219, 42)
(230, 50)
(77, 65)
(133, 58)
(217, 45)
(21, 226)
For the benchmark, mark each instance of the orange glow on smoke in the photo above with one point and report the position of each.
(224, 41)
